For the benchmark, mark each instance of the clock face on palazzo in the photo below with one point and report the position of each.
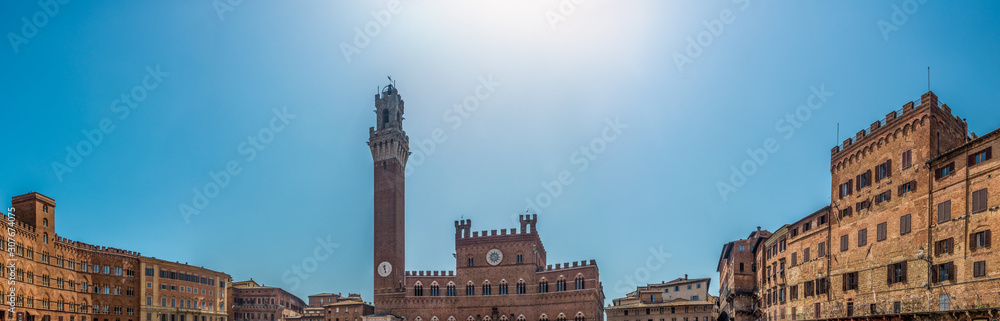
(384, 269)
(494, 257)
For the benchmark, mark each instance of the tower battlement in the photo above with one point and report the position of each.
(463, 228)
(928, 100)
(529, 223)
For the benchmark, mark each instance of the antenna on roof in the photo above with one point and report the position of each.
(928, 78)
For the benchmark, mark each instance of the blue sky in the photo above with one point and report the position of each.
(686, 113)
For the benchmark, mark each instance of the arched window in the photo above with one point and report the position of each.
(470, 289)
(579, 282)
(471, 318)
(487, 318)
(503, 317)
(543, 286)
(45, 221)
(561, 284)
(435, 290)
(579, 317)
(503, 287)
(418, 289)
(487, 288)
(521, 318)
(45, 238)
(418, 318)
(561, 317)
(451, 318)
(451, 291)
(543, 317)
(385, 118)
(434, 318)
(521, 287)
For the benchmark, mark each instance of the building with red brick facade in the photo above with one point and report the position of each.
(254, 302)
(60, 279)
(682, 299)
(335, 307)
(908, 233)
(738, 277)
(500, 275)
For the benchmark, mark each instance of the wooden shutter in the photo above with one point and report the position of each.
(988, 237)
(989, 153)
(913, 185)
(858, 183)
(950, 245)
(899, 190)
(951, 272)
(888, 168)
(904, 271)
(934, 273)
(850, 186)
(845, 282)
(972, 159)
(937, 173)
(972, 242)
(888, 278)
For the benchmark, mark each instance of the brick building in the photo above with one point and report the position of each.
(908, 232)
(499, 276)
(682, 299)
(335, 307)
(60, 279)
(738, 277)
(174, 291)
(255, 302)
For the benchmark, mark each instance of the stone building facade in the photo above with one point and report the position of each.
(65, 280)
(682, 299)
(500, 275)
(335, 307)
(738, 277)
(173, 291)
(255, 302)
(908, 233)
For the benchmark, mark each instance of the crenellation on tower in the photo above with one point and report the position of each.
(528, 223)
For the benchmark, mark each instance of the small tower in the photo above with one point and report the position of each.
(38, 211)
(463, 228)
(528, 223)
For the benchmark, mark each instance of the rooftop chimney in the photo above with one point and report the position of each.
(685, 276)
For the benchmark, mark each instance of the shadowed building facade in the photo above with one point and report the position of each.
(500, 275)
(255, 302)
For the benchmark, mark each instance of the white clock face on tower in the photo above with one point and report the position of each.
(494, 257)
(384, 269)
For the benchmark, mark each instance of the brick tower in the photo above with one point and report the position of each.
(390, 149)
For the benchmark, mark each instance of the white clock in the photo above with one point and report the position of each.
(494, 257)
(384, 268)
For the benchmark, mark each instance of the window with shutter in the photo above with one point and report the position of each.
(907, 160)
(821, 249)
(880, 230)
(843, 243)
(979, 269)
(904, 224)
(979, 203)
(862, 237)
(944, 211)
